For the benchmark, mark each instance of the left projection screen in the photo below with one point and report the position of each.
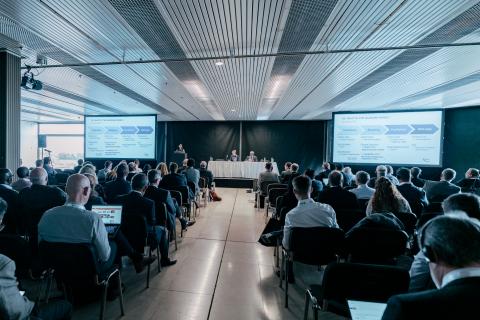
(120, 137)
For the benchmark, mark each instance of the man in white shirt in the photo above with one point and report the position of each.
(307, 213)
(362, 191)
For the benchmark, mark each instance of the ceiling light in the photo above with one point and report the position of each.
(219, 63)
(233, 110)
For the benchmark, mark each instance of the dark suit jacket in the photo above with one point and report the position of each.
(437, 191)
(457, 300)
(37, 199)
(418, 182)
(12, 219)
(173, 180)
(116, 188)
(94, 201)
(469, 185)
(339, 198)
(285, 176)
(323, 175)
(134, 203)
(415, 196)
(208, 175)
(160, 196)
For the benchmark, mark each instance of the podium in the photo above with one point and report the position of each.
(178, 158)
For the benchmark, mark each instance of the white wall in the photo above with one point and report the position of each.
(28, 143)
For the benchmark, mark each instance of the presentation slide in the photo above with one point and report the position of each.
(407, 138)
(120, 137)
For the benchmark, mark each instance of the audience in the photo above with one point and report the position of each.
(39, 163)
(324, 172)
(79, 166)
(147, 167)
(339, 168)
(416, 180)
(192, 174)
(381, 171)
(471, 182)
(103, 173)
(23, 179)
(251, 157)
(317, 186)
(285, 175)
(437, 191)
(348, 175)
(136, 162)
(451, 246)
(390, 175)
(206, 174)
(94, 198)
(267, 176)
(135, 204)
(334, 195)
(132, 170)
(11, 220)
(387, 199)
(47, 165)
(88, 168)
(119, 186)
(162, 167)
(362, 191)
(173, 179)
(414, 195)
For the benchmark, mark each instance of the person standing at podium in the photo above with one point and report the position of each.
(234, 155)
(251, 157)
(180, 149)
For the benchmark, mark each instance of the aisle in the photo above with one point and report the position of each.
(222, 273)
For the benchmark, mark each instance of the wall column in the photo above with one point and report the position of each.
(10, 78)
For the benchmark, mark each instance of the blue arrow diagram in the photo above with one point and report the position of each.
(399, 129)
(373, 130)
(424, 128)
(129, 130)
(144, 130)
(113, 129)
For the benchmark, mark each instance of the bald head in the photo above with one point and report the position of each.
(39, 176)
(78, 188)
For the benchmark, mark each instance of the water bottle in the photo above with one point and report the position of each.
(271, 159)
(211, 159)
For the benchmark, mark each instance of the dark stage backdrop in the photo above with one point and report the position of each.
(203, 140)
(296, 141)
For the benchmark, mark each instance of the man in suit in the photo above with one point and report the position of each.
(416, 180)
(285, 175)
(23, 180)
(381, 171)
(12, 219)
(161, 196)
(471, 182)
(450, 244)
(78, 166)
(390, 175)
(173, 179)
(119, 186)
(437, 191)
(135, 203)
(192, 174)
(334, 195)
(234, 156)
(324, 172)
(415, 196)
(251, 157)
(266, 176)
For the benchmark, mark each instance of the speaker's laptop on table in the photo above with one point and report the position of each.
(111, 217)
(363, 310)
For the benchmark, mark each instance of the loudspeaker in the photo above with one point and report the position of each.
(42, 141)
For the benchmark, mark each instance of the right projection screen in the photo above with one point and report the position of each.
(397, 138)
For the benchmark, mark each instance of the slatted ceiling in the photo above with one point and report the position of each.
(306, 102)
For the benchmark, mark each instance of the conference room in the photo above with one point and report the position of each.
(239, 159)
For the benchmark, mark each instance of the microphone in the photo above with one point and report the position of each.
(47, 150)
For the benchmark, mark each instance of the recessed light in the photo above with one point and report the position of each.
(219, 63)
(233, 110)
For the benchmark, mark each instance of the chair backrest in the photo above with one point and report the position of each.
(375, 245)
(202, 183)
(316, 246)
(62, 177)
(409, 221)
(74, 263)
(346, 219)
(273, 194)
(134, 227)
(184, 191)
(17, 249)
(192, 186)
(177, 195)
(364, 282)
(276, 186)
(264, 186)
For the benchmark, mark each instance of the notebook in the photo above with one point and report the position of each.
(111, 217)
(363, 310)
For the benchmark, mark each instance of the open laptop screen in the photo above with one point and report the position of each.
(363, 310)
(111, 215)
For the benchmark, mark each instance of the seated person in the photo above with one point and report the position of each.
(173, 179)
(380, 171)
(135, 203)
(334, 195)
(387, 199)
(180, 149)
(132, 170)
(362, 191)
(119, 186)
(162, 167)
(451, 246)
(251, 157)
(415, 196)
(349, 176)
(339, 168)
(317, 186)
(471, 183)
(437, 191)
(456, 204)
(324, 172)
(37, 199)
(79, 166)
(39, 163)
(206, 174)
(162, 196)
(183, 167)
(14, 305)
(234, 156)
(192, 174)
(94, 198)
(416, 180)
(136, 162)
(23, 179)
(12, 218)
(103, 173)
(285, 175)
(47, 165)
(72, 223)
(390, 175)
(266, 176)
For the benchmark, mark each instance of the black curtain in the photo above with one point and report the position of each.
(203, 140)
(296, 141)
(161, 141)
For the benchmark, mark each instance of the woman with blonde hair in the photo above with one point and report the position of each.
(162, 167)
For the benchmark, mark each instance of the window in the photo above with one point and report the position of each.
(65, 141)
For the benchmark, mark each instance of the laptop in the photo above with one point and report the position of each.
(363, 310)
(111, 217)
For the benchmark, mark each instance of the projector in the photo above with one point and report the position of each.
(29, 82)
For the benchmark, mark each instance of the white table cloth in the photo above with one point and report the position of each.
(238, 169)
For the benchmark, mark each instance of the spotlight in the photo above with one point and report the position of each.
(29, 82)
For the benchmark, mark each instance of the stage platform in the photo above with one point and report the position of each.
(234, 183)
